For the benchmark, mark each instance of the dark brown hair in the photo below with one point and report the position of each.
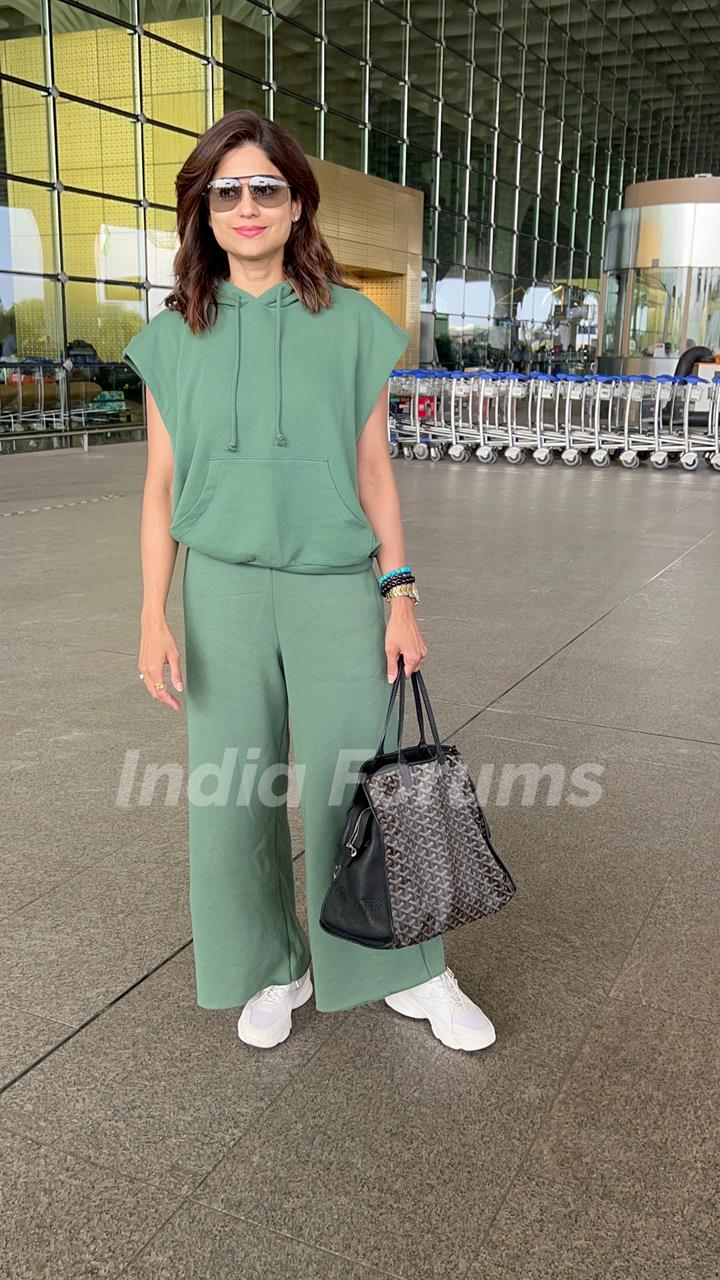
(308, 261)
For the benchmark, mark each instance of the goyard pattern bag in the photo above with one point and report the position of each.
(415, 856)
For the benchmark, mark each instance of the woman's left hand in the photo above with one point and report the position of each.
(402, 635)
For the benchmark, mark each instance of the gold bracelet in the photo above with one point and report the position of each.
(403, 589)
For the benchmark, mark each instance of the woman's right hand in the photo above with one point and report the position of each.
(158, 647)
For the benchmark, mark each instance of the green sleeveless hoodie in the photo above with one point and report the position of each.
(264, 410)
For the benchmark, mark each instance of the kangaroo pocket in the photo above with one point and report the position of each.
(276, 511)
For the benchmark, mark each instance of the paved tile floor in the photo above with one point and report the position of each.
(573, 625)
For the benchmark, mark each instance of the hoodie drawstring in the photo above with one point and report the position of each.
(232, 444)
(278, 438)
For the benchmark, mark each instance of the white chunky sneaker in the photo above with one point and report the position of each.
(454, 1018)
(266, 1019)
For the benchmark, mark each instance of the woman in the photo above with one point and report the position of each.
(267, 457)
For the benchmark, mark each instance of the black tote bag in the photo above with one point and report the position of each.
(415, 858)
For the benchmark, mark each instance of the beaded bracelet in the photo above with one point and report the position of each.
(403, 569)
(395, 578)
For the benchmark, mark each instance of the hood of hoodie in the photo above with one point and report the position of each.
(276, 298)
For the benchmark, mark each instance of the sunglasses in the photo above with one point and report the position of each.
(223, 194)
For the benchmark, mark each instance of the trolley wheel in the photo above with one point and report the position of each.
(629, 459)
(421, 452)
(659, 460)
(689, 461)
(713, 461)
(393, 448)
(542, 456)
(435, 453)
(571, 457)
(407, 451)
(515, 455)
(457, 452)
(600, 458)
(484, 453)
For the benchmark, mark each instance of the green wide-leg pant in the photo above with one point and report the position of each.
(272, 655)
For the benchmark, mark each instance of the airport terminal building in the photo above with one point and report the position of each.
(470, 157)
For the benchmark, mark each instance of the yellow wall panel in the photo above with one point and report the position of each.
(374, 229)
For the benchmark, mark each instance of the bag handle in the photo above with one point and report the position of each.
(398, 684)
(418, 689)
(417, 679)
(418, 709)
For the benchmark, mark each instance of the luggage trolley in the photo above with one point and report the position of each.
(676, 417)
(662, 408)
(416, 437)
(600, 431)
(543, 416)
(518, 433)
(462, 428)
(636, 415)
(488, 404)
(697, 411)
(667, 424)
(675, 410)
(440, 412)
(401, 399)
(427, 413)
(713, 458)
(666, 418)
(571, 403)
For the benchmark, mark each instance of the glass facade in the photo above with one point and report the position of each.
(521, 122)
(662, 274)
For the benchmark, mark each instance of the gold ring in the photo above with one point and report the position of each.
(160, 684)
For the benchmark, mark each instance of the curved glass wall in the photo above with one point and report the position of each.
(703, 325)
(671, 307)
(656, 312)
(615, 293)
